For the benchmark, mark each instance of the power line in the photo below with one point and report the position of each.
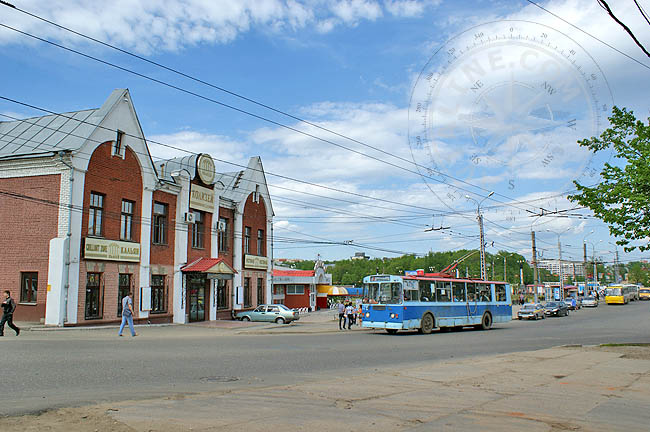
(259, 117)
(589, 34)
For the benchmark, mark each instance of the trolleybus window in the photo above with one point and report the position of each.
(427, 292)
(385, 292)
(458, 291)
(500, 292)
(484, 292)
(471, 292)
(443, 291)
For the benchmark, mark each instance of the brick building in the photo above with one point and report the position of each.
(300, 288)
(86, 216)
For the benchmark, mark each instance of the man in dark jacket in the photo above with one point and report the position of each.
(8, 307)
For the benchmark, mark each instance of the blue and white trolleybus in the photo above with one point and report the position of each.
(429, 301)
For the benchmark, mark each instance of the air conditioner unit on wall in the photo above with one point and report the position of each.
(221, 226)
(189, 218)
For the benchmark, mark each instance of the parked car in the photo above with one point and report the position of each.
(590, 302)
(270, 313)
(556, 309)
(531, 311)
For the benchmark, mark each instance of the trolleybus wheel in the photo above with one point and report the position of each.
(391, 331)
(426, 326)
(486, 322)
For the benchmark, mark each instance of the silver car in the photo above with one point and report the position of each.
(590, 302)
(270, 313)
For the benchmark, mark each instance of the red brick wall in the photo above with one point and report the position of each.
(296, 300)
(164, 254)
(230, 241)
(26, 228)
(117, 179)
(255, 218)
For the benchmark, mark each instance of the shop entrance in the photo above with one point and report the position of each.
(196, 299)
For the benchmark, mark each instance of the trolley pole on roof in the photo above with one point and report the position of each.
(479, 217)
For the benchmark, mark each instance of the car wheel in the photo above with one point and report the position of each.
(519, 318)
(279, 320)
(427, 323)
(391, 331)
(245, 318)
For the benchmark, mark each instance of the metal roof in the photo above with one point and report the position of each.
(53, 132)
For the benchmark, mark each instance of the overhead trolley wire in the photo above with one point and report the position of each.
(259, 117)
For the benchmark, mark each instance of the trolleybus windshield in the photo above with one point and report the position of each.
(384, 292)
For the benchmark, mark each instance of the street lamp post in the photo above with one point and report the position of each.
(559, 249)
(584, 258)
(593, 258)
(479, 217)
(615, 262)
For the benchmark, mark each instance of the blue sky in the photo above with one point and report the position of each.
(356, 67)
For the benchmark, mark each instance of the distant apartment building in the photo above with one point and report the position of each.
(360, 256)
(571, 269)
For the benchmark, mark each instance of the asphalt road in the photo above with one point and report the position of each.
(44, 370)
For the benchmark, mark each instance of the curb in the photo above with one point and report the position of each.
(48, 329)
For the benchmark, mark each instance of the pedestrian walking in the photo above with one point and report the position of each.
(349, 314)
(8, 308)
(127, 314)
(341, 315)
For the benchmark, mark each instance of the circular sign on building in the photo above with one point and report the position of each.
(205, 168)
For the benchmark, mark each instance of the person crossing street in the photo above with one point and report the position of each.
(8, 308)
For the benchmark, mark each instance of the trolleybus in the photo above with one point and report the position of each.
(429, 301)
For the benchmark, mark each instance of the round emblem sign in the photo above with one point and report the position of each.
(500, 107)
(205, 168)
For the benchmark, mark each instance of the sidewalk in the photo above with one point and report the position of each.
(563, 388)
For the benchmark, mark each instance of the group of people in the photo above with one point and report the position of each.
(349, 314)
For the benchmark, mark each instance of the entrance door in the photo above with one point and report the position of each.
(197, 303)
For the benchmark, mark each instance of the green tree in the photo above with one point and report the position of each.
(622, 198)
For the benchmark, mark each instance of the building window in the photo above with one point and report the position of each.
(247, 240)
(295, 289)
(94, 296)
(223, 235)
(28, 287)
(278, 289)
(260, 242)
(247, 292)
(222, 294)
(159, 223)
(260, 291)
(158, 294)
(197, 230)
(126, 225)
(95, 214)
(123, 289)
(117, 151)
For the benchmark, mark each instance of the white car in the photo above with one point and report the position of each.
(590, 302)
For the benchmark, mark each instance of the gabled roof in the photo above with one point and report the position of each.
(54, 132)
(209, 265)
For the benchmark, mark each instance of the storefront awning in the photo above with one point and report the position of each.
(209, 265)
(334, 291)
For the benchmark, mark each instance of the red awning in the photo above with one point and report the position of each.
(209, 265)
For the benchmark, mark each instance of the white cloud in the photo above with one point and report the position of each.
(150, 26)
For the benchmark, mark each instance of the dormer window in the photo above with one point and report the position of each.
(117, 148)
(256, 197)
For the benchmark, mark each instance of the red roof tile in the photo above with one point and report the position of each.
(295, 273)
(203, 264)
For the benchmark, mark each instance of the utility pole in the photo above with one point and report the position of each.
(559, 248)
(479, 217)
(482, 239)
(535, 275)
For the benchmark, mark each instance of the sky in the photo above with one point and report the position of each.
(382, 124)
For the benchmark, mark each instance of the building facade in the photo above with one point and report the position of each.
(87, 217)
